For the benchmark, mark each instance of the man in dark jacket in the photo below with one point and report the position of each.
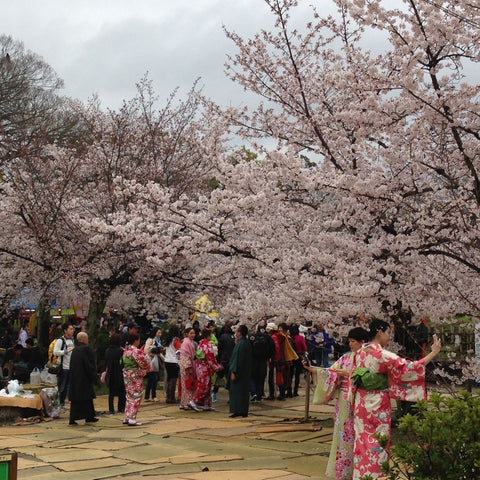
(240, 373)
(263, 348)
(83, 374)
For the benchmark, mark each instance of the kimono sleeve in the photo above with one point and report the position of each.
(407, 378)
(327, 384)
(143, 361)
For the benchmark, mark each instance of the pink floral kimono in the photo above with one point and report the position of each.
(136, 366)
(373, 409)
(187, 372)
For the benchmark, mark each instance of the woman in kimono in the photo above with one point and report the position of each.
(340, 461)
(188, 377)
(136, 364)
(206, 365)
(372, 407)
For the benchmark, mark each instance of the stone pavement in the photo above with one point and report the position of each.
(274, 442)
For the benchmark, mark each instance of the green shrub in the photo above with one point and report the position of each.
(440, 442)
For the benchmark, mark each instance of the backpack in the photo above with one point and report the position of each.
(260, 347)
(54, 363)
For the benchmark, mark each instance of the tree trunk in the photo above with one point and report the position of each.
(95, 312)
(44, 324)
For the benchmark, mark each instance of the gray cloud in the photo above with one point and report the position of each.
(106, 47)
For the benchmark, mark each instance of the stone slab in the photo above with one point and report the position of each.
(20, 430)
(58, 433)
(121, 471)
(76, 466)
(14, 442)
(105, 445)
(294, 436)
(237, 475)
(289, 428)
(306, 447)
(183, 459)
(145, 453)
(29, 462)
(55, 455)
(295, 476)
(45, 472)
(121, 431)
(249, 464)
(187, 424)
(228, 432)
(309, 466)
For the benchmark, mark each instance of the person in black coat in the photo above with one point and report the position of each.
(240, 372)
(114, 376)
(263, 349)
(83, 374)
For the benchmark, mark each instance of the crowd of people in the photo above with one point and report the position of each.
(196, 363)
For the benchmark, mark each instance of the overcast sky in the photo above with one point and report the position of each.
(106, 46)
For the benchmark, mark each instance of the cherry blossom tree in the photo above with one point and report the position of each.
(374, 197)
(74, 207)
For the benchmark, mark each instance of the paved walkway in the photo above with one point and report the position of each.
(274, 442)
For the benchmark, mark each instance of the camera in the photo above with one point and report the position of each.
(306, 359)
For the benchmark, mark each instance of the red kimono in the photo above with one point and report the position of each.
(205, 369)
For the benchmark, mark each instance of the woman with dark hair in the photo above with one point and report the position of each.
(152, 348)
(378, 376)
(136, 364)
(300, 345)
(114, 376)
(172, 352)
(240, 372)
(188, 378)
(336, 382)
(205, 365)
(279, 362)
(226, 343)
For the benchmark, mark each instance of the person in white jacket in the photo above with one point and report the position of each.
(63, 349)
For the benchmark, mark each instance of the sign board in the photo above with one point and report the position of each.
(8, 465)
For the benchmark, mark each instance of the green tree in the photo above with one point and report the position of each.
(440, 442)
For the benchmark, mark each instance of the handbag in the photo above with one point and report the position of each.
(54, 368)
(154, 364)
